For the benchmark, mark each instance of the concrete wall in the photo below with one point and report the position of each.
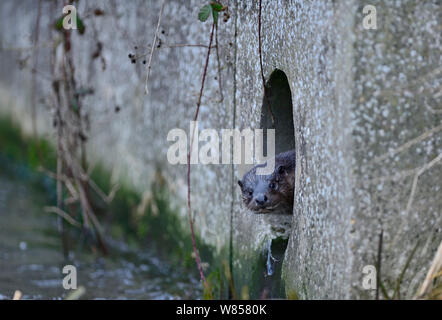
(359, 96)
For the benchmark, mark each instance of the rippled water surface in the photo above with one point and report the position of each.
(31, 259)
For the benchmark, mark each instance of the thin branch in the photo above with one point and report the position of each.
(399, 88)
(404, 269)
(432, 273)
(384, 290)
(219, 65)
(104, 197)
(379, 264)
(34, 82)
(407, 145)
(63, 214)
(416, 177)
(41, 73)
(395, 177)
(59, 177)
(180, 45)
(418, 173)
(149, 65)
(195, 118)
(171, 46)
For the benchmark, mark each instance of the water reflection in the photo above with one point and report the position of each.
(31, 261)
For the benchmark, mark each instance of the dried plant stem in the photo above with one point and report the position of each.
(433, 272)
(63, 215)
(181, 45)
(408, 144)
(189, 207)
(219, 65)
(149, 64)
(61, 225)
(397, 292)
(71, 124)
(379, 263)
(410, 201)
(34, 81)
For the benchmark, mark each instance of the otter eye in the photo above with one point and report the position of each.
(250, 193)
(272, 185)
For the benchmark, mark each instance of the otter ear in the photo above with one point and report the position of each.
(240, 184)
(281, 170)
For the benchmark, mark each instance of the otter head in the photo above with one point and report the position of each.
(267, 193)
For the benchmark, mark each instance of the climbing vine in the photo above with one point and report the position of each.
(213, 8)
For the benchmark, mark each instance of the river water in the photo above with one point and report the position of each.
(31, 259)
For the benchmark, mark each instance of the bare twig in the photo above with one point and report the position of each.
(171, 46)
(397, 292)
(228, 275)
(71, 151)
(408, 144)
(41, 74)
(181, 45)
(149, 65)
(379, 264)
(106, 198)
(189, 208)
(384, 290)
(34, 82)
(418, 173)
(395, 177)
(399, 88)
(219, 65)
(58, 119)
(432, 273)
(64, 215)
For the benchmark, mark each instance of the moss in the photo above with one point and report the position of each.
(292, 295)
(253, 271)
(24, 149)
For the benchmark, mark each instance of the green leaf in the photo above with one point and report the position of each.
(59, 24)
(80, 25)
(216, 6)
(204, 12)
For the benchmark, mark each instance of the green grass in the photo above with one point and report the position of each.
(157, 227)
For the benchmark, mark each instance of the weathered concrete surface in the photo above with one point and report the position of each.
(133, 142)
(357, 94)
(310, 42)
(396, 131)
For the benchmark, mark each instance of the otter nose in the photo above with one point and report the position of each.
(261, 199)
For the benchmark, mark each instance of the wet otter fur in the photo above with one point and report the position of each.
(271, 193)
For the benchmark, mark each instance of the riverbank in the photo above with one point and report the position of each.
(150, 256)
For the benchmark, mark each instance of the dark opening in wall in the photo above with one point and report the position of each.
(280, 97)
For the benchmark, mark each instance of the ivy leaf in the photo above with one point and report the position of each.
(204, 12)
(216, 6)
(80, 25)
(59, 24)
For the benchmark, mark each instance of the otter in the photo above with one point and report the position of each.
(271, 193)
